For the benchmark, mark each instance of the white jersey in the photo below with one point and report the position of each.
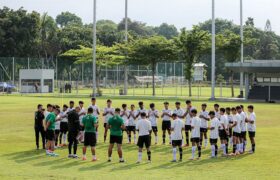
(125, 115)
(177, 125)
(224, 121)
(108, 115)
(229, 117)
(217, 114)
(152, 117)
(57, 123)
(204, 123)
(252, 127)
(236, 118)
(95, 110)
(144, 126)
(63, 113)
(188, 117)
(180, 112)
(195, 123)
(82, 114)
(70, 109)
(139, 111)
(243, 123)
(165, 117)
(131, 120)
(214, 133)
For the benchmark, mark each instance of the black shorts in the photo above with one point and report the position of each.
(188, 128)
(105, 125)
(236, 134)
(130, 128)
(72, 135)
(223, 135)
(50, 135)
(252, 134)
(203, 130)
(144, 140)
(213, 141)
(90, 139)
(56, 132)
(154, 128)
(177, 143)
(116, 139)
(230, 132)
(166, 125)
(196, 139)
(243, 134)
(63, 127)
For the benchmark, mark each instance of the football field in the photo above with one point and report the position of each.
(19, 158)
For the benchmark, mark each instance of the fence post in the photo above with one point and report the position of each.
(28, 63)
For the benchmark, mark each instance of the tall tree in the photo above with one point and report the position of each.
(191, 45)
(136, 28)
(150, 51)
(66, 18)
(166, 30)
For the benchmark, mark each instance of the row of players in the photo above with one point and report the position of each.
(223, 122)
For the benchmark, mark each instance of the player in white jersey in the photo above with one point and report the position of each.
(187, 115)
(71, 106)
(177, 126)
(153, 115)
(144, 128)
(224, 131)
(214, 133)
(95, 113)
(216, 110)
(63, 126)
(57, 128)
(251, 120)
(236, 131)
(141, 109)
(229, 116)
(107, 114)
(195, 124)
(132, 123)
(82, 113)
(204, 117)
(166, 122)
(243, 129)
(125, 115)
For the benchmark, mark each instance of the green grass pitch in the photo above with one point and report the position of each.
(20, 160)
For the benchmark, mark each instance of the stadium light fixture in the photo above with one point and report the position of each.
(213, 52)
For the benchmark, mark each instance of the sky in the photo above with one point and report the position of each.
(181, 13)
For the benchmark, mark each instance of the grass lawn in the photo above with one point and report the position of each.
(20, 160)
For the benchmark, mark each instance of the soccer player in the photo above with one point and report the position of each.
(251, 120)
(243, 129)
(224, 131)
(63, 126)
(141, 109)
(236, 119)
(57, 128)
(195, 124)
(214, 133)
(108, 113)
(166, 122)
(50, 127)
(204, 117)
(39, 126)
(229, 117)
(125, 115)
(89, 123)
(188, 120)
(153, 115)
(95, 113)
(82, 113)
(131, 123)
(73, 131)
(216, 110)
(116, 126)
(177, 126)
(71, 106)
(144, 128)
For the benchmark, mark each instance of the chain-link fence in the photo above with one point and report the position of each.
(169, 78)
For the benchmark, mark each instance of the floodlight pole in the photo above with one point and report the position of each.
(242, 47)
(126, 40)
(94, 51)
(213, 52)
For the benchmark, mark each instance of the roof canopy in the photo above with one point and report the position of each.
(255, 66)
